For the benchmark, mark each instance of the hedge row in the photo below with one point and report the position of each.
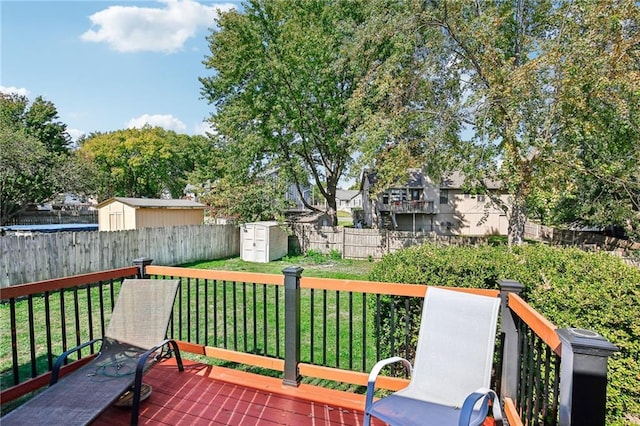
(570, 287)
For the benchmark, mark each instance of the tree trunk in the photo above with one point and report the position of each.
(332, 210)
(517, 220)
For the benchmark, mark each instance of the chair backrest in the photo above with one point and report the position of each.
(454, 356)
(142, 312)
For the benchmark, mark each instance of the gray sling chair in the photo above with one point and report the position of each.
(452, 369)
(133, 342)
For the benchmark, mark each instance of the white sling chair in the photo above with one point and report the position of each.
(452, 369)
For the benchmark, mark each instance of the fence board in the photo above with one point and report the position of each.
(45, 256)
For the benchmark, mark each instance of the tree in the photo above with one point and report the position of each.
(28, 173)
(260, 199)
(509, 91)
(34, 162)
(38, 119)
(282, 87)
(142, 162)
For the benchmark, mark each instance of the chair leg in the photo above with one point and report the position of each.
(176, 351)
(135, 407)
(367, 419)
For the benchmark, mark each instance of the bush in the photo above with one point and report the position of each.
(571, 288)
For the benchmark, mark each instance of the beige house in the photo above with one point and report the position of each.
(421, 205)
(119, 213)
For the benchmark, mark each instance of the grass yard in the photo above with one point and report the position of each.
(315, 265)
(344, 218)
(334, 338)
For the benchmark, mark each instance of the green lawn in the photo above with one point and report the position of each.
(314, 264)
(344, 218)
(322, 266)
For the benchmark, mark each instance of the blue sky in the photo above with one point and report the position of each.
(110, 65)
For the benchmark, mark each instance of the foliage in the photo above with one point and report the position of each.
(523, 92)
(570, 287)
(39, 119)
(142, 162)
(282, 81)
(246, 201)
(35, 163)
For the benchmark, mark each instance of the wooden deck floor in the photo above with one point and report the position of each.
(206, 395)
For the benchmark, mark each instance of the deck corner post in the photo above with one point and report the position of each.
(510, 374)
(142, 263)
(583, 376)
(292, 276)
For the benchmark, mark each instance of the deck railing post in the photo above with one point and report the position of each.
(292, 325)
(142, 263)
(510, 343)
(583, 377)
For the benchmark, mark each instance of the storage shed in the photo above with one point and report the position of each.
(119, 213)
(262, 241)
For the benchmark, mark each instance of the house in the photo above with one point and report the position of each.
(295, 198)
(347, 199)
(119, 213)
(422, 205)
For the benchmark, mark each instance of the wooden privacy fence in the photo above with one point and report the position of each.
(354, 243)
(45, 256)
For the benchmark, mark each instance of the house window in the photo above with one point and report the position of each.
(481, 198)
(444, 196)
(415, 194)
(398, 194)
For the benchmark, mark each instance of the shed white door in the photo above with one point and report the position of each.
(255, 243)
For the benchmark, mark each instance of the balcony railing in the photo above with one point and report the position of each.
(413, 206)
(300, 327)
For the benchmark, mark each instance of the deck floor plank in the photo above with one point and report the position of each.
(206, 395)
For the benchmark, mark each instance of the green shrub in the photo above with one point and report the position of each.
(571, 288)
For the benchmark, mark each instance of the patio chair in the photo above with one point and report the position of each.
(454, 356)
(135, 339)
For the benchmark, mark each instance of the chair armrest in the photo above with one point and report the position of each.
(55, 371)
(375, 371)
(485, 395)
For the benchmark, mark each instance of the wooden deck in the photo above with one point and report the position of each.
(206, 395)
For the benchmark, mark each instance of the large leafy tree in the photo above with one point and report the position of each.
(523, 92)
(35, 163)
(282, 84)
(142, 162)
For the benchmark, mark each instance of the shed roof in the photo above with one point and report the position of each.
(154, 203)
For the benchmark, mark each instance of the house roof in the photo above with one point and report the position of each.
(418, 179)
(154, 203)
(346, 194)
(455, 180)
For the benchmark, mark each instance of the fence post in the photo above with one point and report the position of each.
(510, 343)
(292, 325)
(142, 263)
(583, 376)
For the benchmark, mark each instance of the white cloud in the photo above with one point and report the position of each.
(166, 121)
(138, 29)
(75, 133)
(202, 128)
(15, 90)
